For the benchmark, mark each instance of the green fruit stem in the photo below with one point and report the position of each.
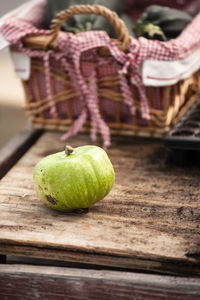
(68, 150)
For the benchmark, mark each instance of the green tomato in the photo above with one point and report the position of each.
(74, 178)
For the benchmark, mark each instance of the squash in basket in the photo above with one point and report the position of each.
(161, 23)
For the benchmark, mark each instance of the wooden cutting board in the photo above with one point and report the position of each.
(149, 221)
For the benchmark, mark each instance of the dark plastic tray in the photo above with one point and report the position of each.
(185, 134)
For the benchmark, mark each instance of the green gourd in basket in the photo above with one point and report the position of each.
(79, 23)
(161, 23)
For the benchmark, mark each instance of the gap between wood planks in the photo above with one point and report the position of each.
(107, 261)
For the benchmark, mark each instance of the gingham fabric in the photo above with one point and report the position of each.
(73, 49)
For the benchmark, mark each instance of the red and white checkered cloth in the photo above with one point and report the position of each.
(72, 50)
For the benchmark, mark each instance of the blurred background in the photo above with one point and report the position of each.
(12, 116)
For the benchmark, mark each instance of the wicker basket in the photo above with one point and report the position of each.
(174, 100)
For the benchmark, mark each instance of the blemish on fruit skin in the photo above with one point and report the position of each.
(51, 199)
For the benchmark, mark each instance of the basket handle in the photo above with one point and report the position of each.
(111, 16)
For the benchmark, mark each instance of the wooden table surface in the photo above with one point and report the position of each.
(148, 222)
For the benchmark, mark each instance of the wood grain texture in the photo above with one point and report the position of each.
(149, 221)
(16, 148)
(46, 283)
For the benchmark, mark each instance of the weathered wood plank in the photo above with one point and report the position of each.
(16, 148)
(46, 283)
(151, 215)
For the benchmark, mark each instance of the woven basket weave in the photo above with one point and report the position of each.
(174, 100)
